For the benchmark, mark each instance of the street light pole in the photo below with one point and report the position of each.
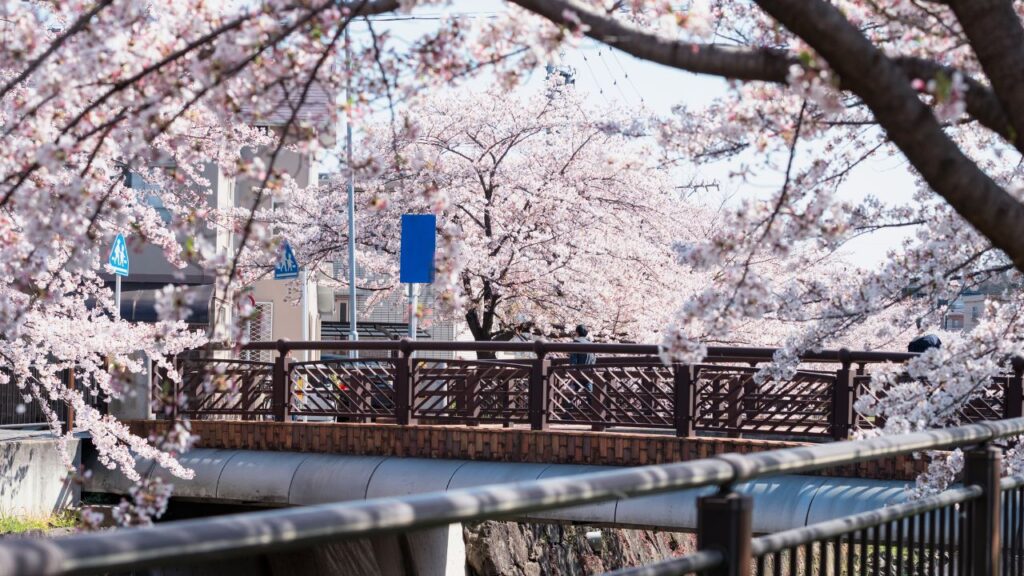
(353, 303)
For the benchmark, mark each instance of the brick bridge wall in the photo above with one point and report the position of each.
(498, 444)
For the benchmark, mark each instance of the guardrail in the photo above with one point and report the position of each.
(18, 408)
(974, 529)
(629, 386)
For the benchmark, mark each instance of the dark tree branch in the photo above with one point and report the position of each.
(881, 83)
(758, 64)
(997, 38)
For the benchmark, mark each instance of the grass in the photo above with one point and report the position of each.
(21, 524)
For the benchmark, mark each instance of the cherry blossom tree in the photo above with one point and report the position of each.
(89, 89)
(559, 215)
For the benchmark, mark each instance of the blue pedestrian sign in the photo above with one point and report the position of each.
(418, 243)
(287, 266)
(119, 256)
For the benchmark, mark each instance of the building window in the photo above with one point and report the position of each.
(261, 329)
(136, 182)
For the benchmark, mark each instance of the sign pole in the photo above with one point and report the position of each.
(118, 262)
(413, 305)
(287, 268)
(117, 296)
(417, 258)
(305, 313)
(353, 298)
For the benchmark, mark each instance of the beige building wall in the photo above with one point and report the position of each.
(285, 295)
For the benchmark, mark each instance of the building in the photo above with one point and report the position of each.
(968, 309)
(325, 311)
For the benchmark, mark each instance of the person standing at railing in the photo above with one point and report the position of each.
(923, 343)
(583, 359)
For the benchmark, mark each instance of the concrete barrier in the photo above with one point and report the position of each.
(34, 480)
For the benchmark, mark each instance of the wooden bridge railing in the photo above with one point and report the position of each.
(629, 386)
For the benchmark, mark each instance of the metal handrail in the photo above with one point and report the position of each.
(1011, 482)
(274, 530)
(847, 524)
(715, 353)
(696, 562)
(241, 534)
(820, 456)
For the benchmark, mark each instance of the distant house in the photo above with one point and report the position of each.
(279, 317)
(968, 309)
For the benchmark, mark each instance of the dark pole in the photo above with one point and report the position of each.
(684, 376)
(1014, 392)
(71, 407)
(843, 398)
(537, 396)
(404, 383)
(983, 467)
(280, 385)
(724, 524)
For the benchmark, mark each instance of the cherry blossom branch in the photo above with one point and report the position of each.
(80, 24)
(882, 85)
(752, 64)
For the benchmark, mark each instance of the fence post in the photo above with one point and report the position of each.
(842, 398)
(537, 395)
(281, 387)
(724, 524)
(403, 384)
(70, 425)
(983, 467)
(597, 397)
(1014, 393)
(683, 406)
(175, 387)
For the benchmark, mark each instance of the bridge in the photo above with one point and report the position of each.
(629, 387)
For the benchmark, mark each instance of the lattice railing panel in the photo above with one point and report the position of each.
(615, 395)
(729, 399)
(225, 387)
(261, 329)
(989, 404)
(471, 391)
(350, 388)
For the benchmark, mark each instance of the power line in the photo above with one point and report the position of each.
(615, 81)
(600, 88)
(643, 103)
(436, 16)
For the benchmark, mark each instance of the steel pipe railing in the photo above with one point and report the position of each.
(262, 532)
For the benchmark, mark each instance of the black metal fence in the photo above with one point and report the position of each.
(19, 408)
(973, 529)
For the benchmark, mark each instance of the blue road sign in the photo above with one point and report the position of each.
(418, 244)
(287, 266)
(119, 256)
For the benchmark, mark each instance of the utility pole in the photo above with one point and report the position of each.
(353, 303)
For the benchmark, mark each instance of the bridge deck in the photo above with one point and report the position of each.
(561, 446)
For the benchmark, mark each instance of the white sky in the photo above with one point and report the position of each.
(612, 78)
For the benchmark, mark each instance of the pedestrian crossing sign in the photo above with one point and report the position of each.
(287, 266)
(118, 259)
